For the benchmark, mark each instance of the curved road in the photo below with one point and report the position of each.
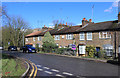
(51, 65)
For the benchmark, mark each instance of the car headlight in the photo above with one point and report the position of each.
(30, 49)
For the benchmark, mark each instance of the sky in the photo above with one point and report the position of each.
(38, 14)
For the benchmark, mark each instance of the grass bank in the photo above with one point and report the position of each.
(12, 67)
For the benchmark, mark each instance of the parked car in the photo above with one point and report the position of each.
(29, 48)
(1, 48)
(12, 48)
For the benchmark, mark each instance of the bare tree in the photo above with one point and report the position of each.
(13, 31)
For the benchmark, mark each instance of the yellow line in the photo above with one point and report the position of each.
(35, 71)
(32, 70)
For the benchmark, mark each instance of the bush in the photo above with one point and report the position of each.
(48, 43)
(61, 50)
(48, 47)
(37, 47)
(101, 54)
(91, 51)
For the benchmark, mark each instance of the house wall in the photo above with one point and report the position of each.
(30, 40)
(63, 41)
(96, 41)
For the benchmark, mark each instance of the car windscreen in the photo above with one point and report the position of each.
(29, 46)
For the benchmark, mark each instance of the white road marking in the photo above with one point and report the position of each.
(38, 65)
(46, 68)
(40, 69)
(59, 75)
(54, 70)
(67, 73)
(48, 72)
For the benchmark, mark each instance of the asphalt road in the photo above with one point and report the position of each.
(51, 65)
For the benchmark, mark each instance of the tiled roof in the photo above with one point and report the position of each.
(66, 30)
(37, 33)
(92, 27)
(102, 26)
(33, 34)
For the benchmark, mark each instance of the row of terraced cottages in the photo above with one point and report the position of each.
(89, 33)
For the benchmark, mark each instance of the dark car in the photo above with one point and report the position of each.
(29, 48)
(12, 48)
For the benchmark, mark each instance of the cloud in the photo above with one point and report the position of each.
(51, 26)
(79, 24)
(108, 10)
(114, 4)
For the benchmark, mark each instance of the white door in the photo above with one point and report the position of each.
(81, 49)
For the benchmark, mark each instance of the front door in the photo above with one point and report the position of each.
(81, 49)
(97, 49)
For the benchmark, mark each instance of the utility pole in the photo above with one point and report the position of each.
(115, 43)
(23, 38)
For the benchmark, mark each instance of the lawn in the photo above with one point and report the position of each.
(12, 67)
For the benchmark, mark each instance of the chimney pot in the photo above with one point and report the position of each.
(84, 19)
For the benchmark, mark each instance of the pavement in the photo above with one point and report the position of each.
(52, 65)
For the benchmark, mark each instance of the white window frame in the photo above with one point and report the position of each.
(57, 37)
(39, 38)
(82, 34)
(101, 35)
(33, 38)
(26, 39)
(69, 36)
(89, 35)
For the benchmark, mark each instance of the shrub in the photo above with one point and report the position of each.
(48, 43)
(101, 54)
(91, 51)
(48, 47)
(61, 50)
(37, 47)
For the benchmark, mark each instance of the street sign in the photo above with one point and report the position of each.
(73, 47)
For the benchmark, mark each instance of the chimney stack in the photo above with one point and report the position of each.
(90, 20)
(119, 17)
(66, 23)
(44, 25)
(84, 21)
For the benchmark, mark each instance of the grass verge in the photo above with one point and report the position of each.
(12, 67)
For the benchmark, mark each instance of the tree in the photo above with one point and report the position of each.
(48, 42)
(13, 31)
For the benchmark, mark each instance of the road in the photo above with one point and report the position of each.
(51, 65)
